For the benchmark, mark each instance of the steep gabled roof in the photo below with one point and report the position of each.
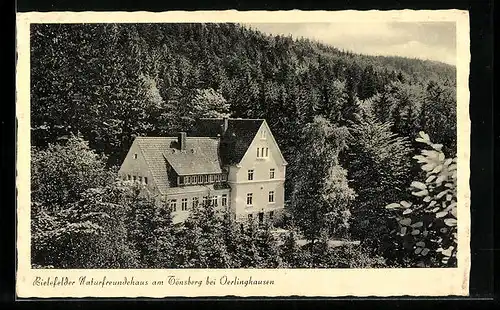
(200, 157)
(236, 139)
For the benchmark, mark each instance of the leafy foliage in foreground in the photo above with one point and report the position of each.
(428, 224)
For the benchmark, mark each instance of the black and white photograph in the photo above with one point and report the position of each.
(243, 145)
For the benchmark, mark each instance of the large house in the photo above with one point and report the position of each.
(235, 164)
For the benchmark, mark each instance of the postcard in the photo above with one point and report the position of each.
(230, 153)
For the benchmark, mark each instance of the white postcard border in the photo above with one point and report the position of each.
(287, 282)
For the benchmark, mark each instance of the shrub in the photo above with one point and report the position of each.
(428, 225)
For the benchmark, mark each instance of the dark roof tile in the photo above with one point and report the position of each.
(200, 157)
(235, 141)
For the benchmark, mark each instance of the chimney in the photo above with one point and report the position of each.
(181, 139)
(225, 122)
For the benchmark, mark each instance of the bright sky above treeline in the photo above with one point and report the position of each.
(430, 40)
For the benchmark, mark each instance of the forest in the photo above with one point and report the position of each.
(370, 143)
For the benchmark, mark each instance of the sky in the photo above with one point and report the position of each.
(429, 40)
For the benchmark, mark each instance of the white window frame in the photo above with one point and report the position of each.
(184, 204)
(250, 199)
(250, 174)
(215, 201)
(173, 205)
(270, 197)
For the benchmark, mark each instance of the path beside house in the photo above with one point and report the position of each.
(332, 243)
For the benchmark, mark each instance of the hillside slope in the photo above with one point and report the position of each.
(112, 82)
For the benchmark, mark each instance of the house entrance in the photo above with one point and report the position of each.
(261, 218)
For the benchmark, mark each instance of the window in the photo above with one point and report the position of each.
(215, 201)
(250, 174)
(271, 196)
(250, 217)
(145, 180)
(262, 152)
(129, 177)
(173, 205)
(224, 200)
(249, 199)
(195, 202)
(134, 178)
(205, 200)
(135, 156)
(263, 134)
(140, 179)
(271, 215)
(181, 180)
(271, 173)
(212, 177)
(184, 204)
